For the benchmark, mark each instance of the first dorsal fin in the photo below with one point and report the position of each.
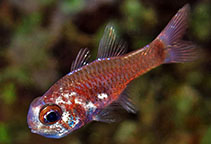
(81, 59)
(109, 45)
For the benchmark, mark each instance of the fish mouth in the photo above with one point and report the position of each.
(47, 135)
(40, 133)
(33, 131)
(30, 127)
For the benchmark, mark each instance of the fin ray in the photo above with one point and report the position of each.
(81, 59)
(109, 44)
(126, 102)
(109, 114)
(181, 51)
(178, 50)
(177, 26)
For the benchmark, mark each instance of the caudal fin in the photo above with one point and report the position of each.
(177, 49)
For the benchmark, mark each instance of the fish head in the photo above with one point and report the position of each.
(51, 120)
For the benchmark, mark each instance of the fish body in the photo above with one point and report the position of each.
(89, 91)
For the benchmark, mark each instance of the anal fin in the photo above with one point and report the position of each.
(125, 101)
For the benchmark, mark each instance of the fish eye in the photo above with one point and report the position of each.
(50, 114)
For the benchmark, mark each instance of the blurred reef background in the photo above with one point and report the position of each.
(39, 39)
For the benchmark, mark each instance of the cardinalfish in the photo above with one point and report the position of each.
(90, 90)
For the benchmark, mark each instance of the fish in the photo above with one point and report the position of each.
(92, 90)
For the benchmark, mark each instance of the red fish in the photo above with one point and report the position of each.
(89, 91)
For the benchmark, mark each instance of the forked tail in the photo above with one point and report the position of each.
(177, 49)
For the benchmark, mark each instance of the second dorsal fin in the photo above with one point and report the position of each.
(81, 59)
(109, 45)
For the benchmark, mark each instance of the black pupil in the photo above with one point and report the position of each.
(52, 117)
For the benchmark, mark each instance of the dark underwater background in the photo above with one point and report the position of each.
(39, 39)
